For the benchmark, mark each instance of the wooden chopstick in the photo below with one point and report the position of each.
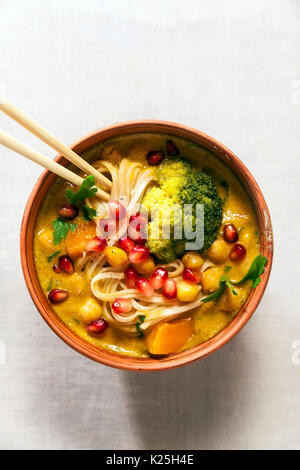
(18, 115)
(47, 163)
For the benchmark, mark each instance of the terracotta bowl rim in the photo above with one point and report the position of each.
(197, 352)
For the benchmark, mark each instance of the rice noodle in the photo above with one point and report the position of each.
(130, 181)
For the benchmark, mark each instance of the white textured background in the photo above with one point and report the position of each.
(229, 68)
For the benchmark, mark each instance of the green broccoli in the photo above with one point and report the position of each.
(179, 183)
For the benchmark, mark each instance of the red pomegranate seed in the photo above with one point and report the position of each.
(137, 228)
(171, 148)
(138, 254)
(56, 296)
(56, 268)
(155, 157)
(96, 244)
(130, 277)
(122, 305)
(192, 275)
(238, 252)
(144, 286)
(159, 277)
(116, 210)
(107, 227)
(68, 211)
(170, 289)
(136, 235)
(97, 326)
(230, 233)
(126, 244)
(138, 220)
(66, 264)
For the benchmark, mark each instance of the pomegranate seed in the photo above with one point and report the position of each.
(192, 275)
(136, 228)
(138, 254)
(56, 268)
(116, 210)
(107, 227)
(56, 296)
(97, 326)
(155, 157)
(66, 264)
(122, 305)
(138, 221)
(171, 148)
(96, 244)
(126, 244)
(144, 286)
(130, 277)
(136, 235)
(68, 211)
(170, 289)
(158, 278)
(238, 252)
(230, 233)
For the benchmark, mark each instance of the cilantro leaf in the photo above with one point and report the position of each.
(255, 271)
(73, 227)
(88, 213)
(50, 285)
(50, 258)
(61, 228)
(140, 333)
(224, 281)
(86, 190)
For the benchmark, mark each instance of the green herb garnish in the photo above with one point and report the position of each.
(140, 333)
(88, 213)
(61, 228)
(50, 285)
(86, 190)
(72, 227)
(76, 321)
(255, 271)
(50, 258)
(224, 281)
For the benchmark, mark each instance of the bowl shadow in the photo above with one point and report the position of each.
(192, 407)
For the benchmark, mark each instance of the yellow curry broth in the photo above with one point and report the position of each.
(210, 318)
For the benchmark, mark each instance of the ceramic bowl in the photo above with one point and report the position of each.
(175, 360)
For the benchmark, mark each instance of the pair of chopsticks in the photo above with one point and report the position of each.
(8, 141)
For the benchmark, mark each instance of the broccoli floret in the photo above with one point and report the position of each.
(154, 199)
(180, 183)
(171, 168)
(200, 189)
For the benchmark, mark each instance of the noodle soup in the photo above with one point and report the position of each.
(123, 287)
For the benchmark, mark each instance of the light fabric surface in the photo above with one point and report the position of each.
(230, 68)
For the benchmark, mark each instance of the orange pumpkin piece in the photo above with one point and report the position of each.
(169, 337)
(75, 241)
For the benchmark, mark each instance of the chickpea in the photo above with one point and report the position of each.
(45, 239)
(187, 292)
(90, 311)
(211, 279)
(228, 301)
(75, 284)
(246, 238)
(145, 267)
(218, 251)
(192, 260)
(115, 256)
